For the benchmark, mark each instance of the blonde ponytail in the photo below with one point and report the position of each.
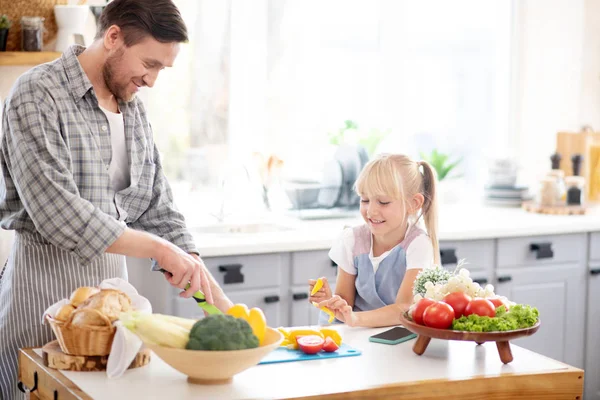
(430, 207)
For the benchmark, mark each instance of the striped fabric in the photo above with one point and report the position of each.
(55, 192)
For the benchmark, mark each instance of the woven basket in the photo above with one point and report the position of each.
(86, 340)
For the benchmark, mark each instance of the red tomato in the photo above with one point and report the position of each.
(438, 315)
(481, 307)
(330, 346)
(497, 302)
(458, 301)
(417, 314)
(311, 344)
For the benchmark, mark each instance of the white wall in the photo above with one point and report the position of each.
(557, 86)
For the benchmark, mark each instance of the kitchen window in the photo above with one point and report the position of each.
(277, 76)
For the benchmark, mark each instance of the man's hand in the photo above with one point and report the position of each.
(183, 268)
(221, 301)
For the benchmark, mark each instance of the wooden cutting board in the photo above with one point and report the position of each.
(55, 358)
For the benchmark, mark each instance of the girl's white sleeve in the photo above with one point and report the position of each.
(419, 253)
(341, 251)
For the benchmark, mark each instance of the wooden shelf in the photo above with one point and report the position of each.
(15, 58)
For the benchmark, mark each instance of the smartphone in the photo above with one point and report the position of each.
(395, 335)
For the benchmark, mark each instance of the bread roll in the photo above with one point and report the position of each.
(64, 312)
(109, 302)
(89, 316)
(82, 294)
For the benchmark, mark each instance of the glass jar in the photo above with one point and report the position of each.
(575, 190)
(32, 32)
(559, 177)
(549, 192)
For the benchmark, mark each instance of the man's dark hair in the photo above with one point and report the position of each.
(140, 18)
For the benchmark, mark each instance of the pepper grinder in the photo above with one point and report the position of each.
(555, 159)
(576, 160)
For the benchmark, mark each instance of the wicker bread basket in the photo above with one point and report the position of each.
(86, 340)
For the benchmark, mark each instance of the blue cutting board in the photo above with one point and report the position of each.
(282, 354)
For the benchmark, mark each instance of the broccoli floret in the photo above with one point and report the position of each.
(221, 332)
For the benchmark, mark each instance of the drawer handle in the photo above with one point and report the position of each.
(543, 250)
(271, 299)
(233, 273)
(595, 271)
(22, 387)
(448, 256)
(300, 296)
(503, 279)
(481, 281)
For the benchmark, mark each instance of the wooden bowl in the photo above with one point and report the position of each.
(426, 333)
(216, 367)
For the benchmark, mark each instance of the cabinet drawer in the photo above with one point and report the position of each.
(595, 246)
(248, 271)
(479, 254)
(541, 250)
(312, 265)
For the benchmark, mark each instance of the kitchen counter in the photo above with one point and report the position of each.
(447, 369)
(456, 223)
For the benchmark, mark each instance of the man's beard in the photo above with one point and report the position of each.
(108, 73)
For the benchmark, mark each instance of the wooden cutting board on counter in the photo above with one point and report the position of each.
(55, 358)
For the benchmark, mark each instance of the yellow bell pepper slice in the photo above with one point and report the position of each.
(284, 332)
(255, 318)
(317, 287)
(258, 322)
(326, 311)
(333, 334)
(239, 311)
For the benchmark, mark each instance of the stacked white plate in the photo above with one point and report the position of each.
(506, 196)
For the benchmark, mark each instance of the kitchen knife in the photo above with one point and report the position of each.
(200, 299)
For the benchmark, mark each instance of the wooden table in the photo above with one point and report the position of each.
(447, 369)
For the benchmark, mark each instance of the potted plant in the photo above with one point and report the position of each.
(4, 26)
(446, 173)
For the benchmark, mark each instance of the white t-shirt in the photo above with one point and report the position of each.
(118, 169)
(419, 253)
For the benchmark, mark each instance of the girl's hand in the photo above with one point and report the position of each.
(343, 311)
(322, 294)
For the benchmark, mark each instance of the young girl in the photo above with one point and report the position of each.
(378, 261)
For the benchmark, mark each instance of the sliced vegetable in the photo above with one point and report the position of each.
(294, 333)
(333, 334)
(255, 317)
(330, 345)
(317, 287)
(438, 315)
(239, 311)
(258, 322)
(326, 311)
(311, 344)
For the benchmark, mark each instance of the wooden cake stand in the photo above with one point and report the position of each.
(425, 334)
(55, 358)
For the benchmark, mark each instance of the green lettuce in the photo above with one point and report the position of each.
(518, 317)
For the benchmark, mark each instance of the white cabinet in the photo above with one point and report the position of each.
(592, 343)
(558, 292)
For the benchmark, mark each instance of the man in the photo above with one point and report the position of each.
(82, 183)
